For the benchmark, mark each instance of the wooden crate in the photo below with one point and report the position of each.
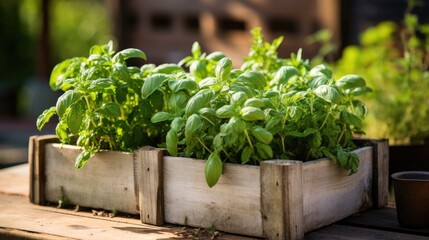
(106, 181)
(278, 200)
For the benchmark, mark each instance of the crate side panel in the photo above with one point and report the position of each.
(232, 205)
(106, 181)
(330, 194)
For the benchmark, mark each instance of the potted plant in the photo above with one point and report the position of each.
(100, 109)
(270, 108)
(236, 118)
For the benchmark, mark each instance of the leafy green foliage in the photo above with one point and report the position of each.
(394, 59)
(269, 108)
(104, 105)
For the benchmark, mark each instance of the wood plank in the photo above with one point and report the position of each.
(17, 213)
(356, 233)
(106, 181)
(331, 195)
(232, 205)
(281, 199)
(382, 219)
(19, 219)
(381, 173)
(37, 166)
(151, 187)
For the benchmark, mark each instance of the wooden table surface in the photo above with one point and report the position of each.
(19, 219)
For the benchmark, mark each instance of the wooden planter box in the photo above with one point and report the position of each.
(106, 181)
(279, 199)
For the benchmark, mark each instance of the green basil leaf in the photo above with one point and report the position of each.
(100, 85)
(254, 102)
(361, 91)
(120, 71)
(252, 114)
(161, 117)
(342, 157)
(193, 123)
(177, 101)
(198, 69)
(262, 135)
(226, 111)
(82, 158)
(153, 83)
(320, 70)
(215, 56)
(198, 101)
(207, 82)
(284, 74)
(61, 131)
(75, 116)
(44, 117)
(58, 74)
(66, 100)
(111, 109)
(253, 79)
(168, 68)
(318, 81)
(213, 169)
(177, 124)
(351, 119)
(223, 69)
(196, 50)
(264, 151)
(171, 142)
(350, 81)
(185, 84)
(238, 98)
(246, 154)
(130, 53)
(328, 93)
(237, 124)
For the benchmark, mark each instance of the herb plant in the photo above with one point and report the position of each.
(102, 107)
(202, 107)
(269, 108)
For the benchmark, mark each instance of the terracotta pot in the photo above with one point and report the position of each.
(412, 198)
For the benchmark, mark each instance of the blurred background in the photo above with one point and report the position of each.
(37, 34)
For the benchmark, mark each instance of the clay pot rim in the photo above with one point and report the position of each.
(404, 176)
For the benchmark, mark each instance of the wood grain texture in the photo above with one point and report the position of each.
(106, 181)
(36, 158)
(381, 172)
(340, 232)
(281, 199)
(232, 205)
(151, 187)
(330, 194)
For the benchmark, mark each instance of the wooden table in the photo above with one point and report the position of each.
(19, 219)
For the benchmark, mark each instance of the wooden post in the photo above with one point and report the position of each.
(151, 186)
(282, 199)
(36, 159)
(380, 172)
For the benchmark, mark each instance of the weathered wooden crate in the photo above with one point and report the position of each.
(107, 180)
(278, 200)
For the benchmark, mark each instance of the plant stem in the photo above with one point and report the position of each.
(283, 144)
(249, 140)
(204, 145)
